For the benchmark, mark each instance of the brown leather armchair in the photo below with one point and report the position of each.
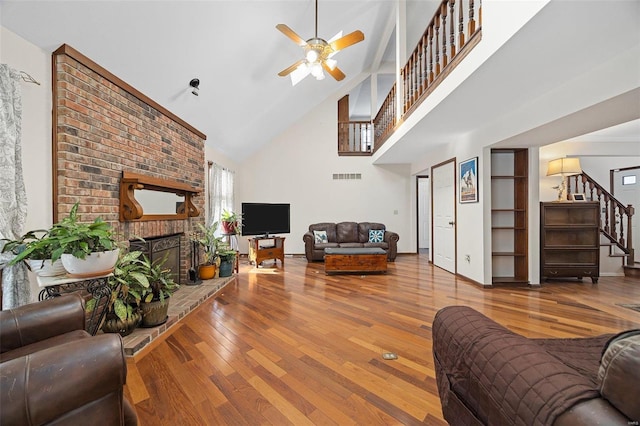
(53, 372)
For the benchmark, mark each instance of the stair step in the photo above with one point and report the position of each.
(618, 255)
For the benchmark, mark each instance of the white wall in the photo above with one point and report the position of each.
(36, 129)
(297, 168)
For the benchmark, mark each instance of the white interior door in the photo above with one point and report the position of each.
(626, 188)
(424, 213)
(443, 200)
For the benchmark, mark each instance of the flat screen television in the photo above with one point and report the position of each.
(265, 218)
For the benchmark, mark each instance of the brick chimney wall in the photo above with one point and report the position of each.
(103, 126)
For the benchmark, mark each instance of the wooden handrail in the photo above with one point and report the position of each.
(614, 213)
(439, 50)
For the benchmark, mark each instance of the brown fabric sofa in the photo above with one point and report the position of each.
(53, 372)
(348, 235)
(488, 375)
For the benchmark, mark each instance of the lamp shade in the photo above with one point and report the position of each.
(564, 167)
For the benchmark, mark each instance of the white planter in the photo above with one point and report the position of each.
(94, 265)
(46, 270)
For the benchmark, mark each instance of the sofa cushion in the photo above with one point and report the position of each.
(365, 227)
(619, 373)
(330, 228)
(351, 245)
(320, 237)
(347, 232)
(376, 235)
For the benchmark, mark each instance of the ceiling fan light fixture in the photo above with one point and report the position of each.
(316, 70)
(312, 55)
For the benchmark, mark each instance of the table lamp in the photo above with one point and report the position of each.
(563, 167)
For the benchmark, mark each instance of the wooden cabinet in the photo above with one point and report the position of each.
(570, 240)
(509, 200)
(266, 248)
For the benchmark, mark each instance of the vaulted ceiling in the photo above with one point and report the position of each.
(233, 47)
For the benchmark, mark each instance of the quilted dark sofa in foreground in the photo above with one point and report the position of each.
(488, 375)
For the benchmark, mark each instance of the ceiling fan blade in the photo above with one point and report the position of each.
(346, 41)
(335, 73)
(290, 69)
(291, 34)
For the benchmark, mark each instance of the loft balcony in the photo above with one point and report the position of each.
(454, 29)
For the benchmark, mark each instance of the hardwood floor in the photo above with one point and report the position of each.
(293, 346)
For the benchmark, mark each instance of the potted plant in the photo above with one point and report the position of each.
(86, 249)
(227, 261)
(210, 243)
(154, 301)
(36, 250)
(231, 222)
(129, 277)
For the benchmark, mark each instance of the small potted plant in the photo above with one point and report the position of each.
(36, 250)
(227, 261)
(231, 222)
(210, 243)
(129, 277)
(154, 301)
(86, 249)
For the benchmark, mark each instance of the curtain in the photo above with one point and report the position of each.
(220, 192)
(13, 198)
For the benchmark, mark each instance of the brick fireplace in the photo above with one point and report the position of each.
(102, 127)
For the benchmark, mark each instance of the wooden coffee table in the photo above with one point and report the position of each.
(355, 260)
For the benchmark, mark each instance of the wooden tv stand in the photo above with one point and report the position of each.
(263, 248)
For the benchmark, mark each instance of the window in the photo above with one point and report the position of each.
(629, 180)
(220, 191)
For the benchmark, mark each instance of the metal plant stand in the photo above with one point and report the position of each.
(90, 288)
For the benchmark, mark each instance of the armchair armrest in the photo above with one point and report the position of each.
(68, 383)
(41, 320)
(502, 377)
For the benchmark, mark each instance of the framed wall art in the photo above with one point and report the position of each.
(468, 180)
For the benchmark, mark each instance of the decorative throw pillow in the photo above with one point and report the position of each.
(320, 237)
(376, 235)
(619, 373)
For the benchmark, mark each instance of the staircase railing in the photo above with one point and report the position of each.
(613, 215)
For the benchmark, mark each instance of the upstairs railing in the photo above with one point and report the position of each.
(355, 137)
(615, 218)
(385, 120)
(451, 34)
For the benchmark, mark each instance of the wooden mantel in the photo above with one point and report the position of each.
(130, 209)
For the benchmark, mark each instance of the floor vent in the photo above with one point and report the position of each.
(347, 176)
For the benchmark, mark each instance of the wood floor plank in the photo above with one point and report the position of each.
(290, 345)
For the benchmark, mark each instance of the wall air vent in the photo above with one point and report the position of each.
(347, 176)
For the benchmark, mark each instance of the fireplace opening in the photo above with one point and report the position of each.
(158, 247)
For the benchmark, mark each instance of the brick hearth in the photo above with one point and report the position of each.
(185, 300)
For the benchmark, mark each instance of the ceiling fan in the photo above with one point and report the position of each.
(318, 53)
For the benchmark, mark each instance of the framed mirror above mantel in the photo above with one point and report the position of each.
(150, 198)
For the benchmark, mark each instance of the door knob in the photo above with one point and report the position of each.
(452, 223)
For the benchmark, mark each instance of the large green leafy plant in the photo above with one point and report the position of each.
(209, 242)
(67, 236)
